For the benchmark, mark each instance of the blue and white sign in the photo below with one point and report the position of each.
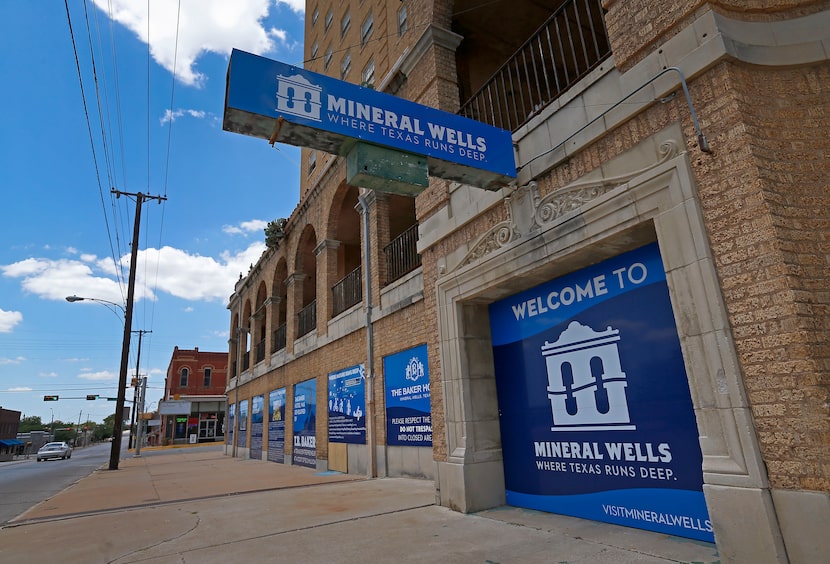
(323, 113)
(305, 424)
(257, 407)
(408, 412)
(276, 425)
(596, 413)
(347, 406)
(231, 422)
(242, 438)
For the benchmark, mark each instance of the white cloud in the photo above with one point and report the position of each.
(8, 319)
(296, 5)
(194, 277)
(56, 279)
(174, 115)
(205, 26)
(19, 389)
(169, 270)
(254, 225)
(102, 376)
(15, 360)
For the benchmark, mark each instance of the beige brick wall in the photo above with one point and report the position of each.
(766, 206)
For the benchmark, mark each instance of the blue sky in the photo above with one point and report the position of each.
(64, 234)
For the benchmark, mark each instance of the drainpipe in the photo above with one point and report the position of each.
(236, 387)
(370, 344)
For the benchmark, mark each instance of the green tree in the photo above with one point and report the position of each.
(30, 423)
(275, 232)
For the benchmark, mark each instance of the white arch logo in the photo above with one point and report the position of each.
(298, 97)
(586, 385)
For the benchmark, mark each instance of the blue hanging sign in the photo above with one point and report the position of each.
(596, 414)
(279, 102)
(242, 439)
(305, 424)
(257, 406)
(347, 406)
(408, 412)
(276, 425)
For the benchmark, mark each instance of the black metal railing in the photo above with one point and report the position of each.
(569, 45)
(233, 369)
(307, 319)
(246, 361)
(347, 292)
(279, 338)
(260, 351)
(402, 254)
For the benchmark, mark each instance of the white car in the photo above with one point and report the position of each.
(54, 450)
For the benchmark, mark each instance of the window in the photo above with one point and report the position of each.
(208, 374)
(329, 17)
(328, 58)
(315, 15)
(367, 78)
(402, 20)
(312, 162)
(314, 49)
(345, 66)
(344, 23)
(183, 377)
(366, 29)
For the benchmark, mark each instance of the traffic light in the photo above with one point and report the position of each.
(91, 397)
(50, 398)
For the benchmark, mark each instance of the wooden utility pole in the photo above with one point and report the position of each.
(118, 424)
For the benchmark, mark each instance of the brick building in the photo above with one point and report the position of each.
(200, 378)
(634, 331)
(9, 443)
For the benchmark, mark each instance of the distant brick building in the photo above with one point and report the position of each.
(200, 378)
(640, 318)
(9, 423)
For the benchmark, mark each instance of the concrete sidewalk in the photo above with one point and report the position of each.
(201, 506)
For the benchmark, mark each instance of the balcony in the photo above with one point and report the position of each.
(278, 343)
(260, 351)
(402, 254)
(347, 292)
(571, 43)
(307, 319)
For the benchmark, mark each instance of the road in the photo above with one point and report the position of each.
(27, 483)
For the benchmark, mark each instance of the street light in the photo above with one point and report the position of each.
(107, 304)
(118, 423)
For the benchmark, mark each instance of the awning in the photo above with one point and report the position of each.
(10, 442)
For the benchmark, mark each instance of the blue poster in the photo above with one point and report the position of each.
(596, 413)
(347, 406)
(276, 425)
(408, 412)
(231, 422)
(305, 424)
(257, 405)
(243, 424)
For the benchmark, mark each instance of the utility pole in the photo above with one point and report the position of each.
(135, 391)
(118, 424)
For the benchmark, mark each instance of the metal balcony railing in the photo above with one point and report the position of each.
(279, 338)
(402, 254)
(246, 361)
(569, 45)
(307, 319)
(260, 351)
(347, 292)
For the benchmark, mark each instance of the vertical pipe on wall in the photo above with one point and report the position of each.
(370, 345)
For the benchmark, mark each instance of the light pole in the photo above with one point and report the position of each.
(118, 422)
